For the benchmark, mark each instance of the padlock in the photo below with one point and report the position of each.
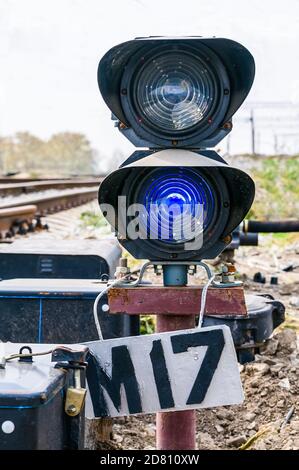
(75, 396)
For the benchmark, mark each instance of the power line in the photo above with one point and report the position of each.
(271, 104)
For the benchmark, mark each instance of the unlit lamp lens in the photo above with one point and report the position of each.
(174, 91)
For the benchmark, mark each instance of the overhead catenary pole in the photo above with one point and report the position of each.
(228, 145)
(252, 124)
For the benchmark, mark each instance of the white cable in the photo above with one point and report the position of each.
(125, 282)
(203, 300)
(122, 281)
(95, 308)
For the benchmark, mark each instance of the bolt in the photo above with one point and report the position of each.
(228, 273)
(158, 269)
(123, 262)
(122, 269)
(227, 125)
(71, 409)
(43, 398)
(227, 239)
(191, 269)
(231, 268)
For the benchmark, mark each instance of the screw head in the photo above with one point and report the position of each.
(227, 239)
(71, 409)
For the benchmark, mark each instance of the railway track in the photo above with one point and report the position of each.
(22, 216)
(15, 188)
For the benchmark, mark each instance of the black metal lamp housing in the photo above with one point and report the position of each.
(175, 92)
(225, 194)
(175, 97)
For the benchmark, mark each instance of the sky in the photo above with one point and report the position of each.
(50, 49)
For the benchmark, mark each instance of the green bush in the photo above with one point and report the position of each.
(277, 189)
(147, 324)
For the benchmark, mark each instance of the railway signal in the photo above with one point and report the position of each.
(178, 200)
(175, 202)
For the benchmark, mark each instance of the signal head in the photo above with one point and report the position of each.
(175, 204)
(175, 92)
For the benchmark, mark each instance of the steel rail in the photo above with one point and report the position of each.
(16, 187)
(18, 216)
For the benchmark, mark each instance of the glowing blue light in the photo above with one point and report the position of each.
(179, 204)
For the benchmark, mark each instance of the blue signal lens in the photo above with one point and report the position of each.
(179, 204)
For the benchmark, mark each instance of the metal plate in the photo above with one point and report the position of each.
(171, 371)
(161, 300)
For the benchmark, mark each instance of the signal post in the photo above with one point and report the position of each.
(176, 305)
(174, 201)
(175, 430)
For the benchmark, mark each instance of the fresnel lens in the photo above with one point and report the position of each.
(174, 92)
(179, 204)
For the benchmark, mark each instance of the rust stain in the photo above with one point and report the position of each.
(118, 294)
(176, 300)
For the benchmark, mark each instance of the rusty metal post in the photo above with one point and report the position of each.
(176, 430)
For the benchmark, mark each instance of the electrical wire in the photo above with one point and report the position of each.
(203, 300)
(16, 356)
(124, 282)
(95, 308)
(118, 282)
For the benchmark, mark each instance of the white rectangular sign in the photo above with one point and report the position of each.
(171, 371)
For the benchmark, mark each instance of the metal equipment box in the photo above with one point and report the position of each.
(32, 402)
(57, 311)
(60, 259)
